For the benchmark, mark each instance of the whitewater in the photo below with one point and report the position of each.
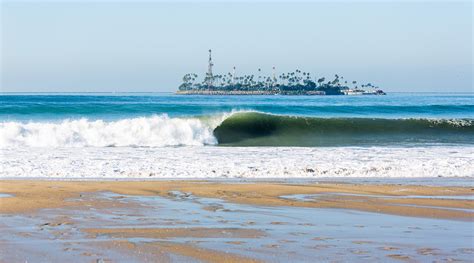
(164, 136)
(160, 147)
(192, 162)
(236, 128)
(153, 131)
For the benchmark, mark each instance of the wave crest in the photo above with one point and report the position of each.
(152, 131)
(262, 129)
(236, 128)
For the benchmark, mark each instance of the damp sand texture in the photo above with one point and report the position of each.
(176, 221)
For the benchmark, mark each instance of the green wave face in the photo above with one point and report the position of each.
(260, 129)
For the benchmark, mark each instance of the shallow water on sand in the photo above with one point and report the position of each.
(289, 233)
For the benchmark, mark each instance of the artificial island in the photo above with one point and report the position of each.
(292, 83)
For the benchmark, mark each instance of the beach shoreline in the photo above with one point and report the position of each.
(26, 195)
(246, 221)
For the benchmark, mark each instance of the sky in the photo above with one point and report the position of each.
(147, 46)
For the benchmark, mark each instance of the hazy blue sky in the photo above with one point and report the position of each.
(148, 46)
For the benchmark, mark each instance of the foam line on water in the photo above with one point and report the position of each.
(237, 162)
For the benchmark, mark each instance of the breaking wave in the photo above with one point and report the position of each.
(152, 131)
(261, 129)
(235, 129)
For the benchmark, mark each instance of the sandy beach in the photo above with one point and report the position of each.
(137, 221)
(27, 196)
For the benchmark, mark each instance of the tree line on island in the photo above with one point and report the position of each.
(292, 83)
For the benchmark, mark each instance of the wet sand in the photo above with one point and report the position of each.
(33, 195)
(210, 221)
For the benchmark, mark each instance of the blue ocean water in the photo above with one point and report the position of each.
(166, 119)
(108, 106)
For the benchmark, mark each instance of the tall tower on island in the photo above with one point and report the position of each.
(274, 80)
(209, 75)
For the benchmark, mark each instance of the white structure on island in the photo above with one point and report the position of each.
(274, 80)
(209, 75)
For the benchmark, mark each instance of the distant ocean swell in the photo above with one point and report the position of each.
(235, 129)
(97, 108)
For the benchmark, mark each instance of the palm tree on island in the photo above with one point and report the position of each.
(291, 83)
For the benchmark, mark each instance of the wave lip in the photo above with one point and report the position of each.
(236, 128)
(146, 132)
(261, 129)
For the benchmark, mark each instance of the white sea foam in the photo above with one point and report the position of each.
(236, 162)
(453, 122)
(148, 132)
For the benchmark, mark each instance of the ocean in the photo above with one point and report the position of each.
(162, 135)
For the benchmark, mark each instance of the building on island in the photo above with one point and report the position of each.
(291, 83)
